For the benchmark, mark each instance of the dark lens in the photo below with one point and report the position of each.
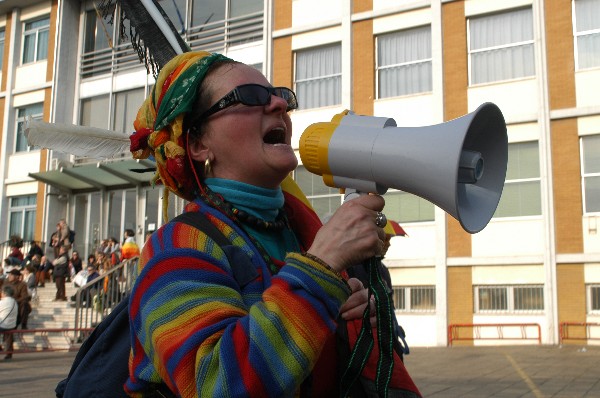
(287, 95)
(254, 94)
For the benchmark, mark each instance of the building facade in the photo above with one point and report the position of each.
(418, 62)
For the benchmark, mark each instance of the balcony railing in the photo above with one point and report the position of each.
(215, 36)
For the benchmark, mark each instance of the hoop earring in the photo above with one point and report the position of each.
(207, 167)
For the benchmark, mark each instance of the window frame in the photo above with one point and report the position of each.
(581, 34)
(470, 51)
(36, 32)
(510, 299)
(589, 298)
(23, 210)
(405, 295)
(19, 122)
(585, 175)
(406, 64)
(515, 181)
(335, 75)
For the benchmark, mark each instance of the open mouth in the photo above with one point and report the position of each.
(275, 136)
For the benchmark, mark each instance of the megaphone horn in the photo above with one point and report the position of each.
(459, 165)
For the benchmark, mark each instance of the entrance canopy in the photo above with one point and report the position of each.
(105, 175)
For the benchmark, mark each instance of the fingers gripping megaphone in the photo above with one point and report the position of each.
(459, 165)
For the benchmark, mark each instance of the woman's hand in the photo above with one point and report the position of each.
(355, 306)
(351, 236)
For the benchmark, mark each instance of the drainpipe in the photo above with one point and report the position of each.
(8, 117)
(549, 255)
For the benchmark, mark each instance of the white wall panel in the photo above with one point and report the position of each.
(420, 328)
(312, 12)
(508, 274)
(317, 38)
(31, 75)
(519, 237)
(21, 164)
(419, 243)
(587, 87)
(409, 111)
(591, 273)
(591, 234)
(515, 98)
(401, 21)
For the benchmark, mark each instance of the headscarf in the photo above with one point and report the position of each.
(159, 122)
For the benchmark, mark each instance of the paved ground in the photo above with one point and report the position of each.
(510, 372)
(526, 371)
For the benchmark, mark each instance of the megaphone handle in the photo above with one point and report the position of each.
(352, 193)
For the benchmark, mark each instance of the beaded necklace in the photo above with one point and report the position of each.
(240, 217)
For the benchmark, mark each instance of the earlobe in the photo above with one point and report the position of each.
(199, 151)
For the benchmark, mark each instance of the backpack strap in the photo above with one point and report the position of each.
(200, 222)
(242, 268)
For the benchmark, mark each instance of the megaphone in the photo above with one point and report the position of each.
(459, 165)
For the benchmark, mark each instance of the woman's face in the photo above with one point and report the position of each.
(250, 144)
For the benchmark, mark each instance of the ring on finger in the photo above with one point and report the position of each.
(380, 220)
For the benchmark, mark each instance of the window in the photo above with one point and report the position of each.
(590, 149)
(587, 33)
(501, 46)
(36, 112)
(324, 200)
(593, 297)
(126, 107)
(516, 298)
(521, 195)
(98, 32)
(94, 111)
(176, 11)
(318, 79)
(22, 216)
(404, 62)
(1, 49)
(35, 40)
(414, 298)
(405, 207)
(207, 12)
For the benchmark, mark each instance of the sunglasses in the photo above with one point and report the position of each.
(252, 95)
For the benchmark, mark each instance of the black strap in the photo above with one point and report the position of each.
(365, 342)
(199, 221)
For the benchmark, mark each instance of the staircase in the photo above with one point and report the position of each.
(49, 314)
(49, 317)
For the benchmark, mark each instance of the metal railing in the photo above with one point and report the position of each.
(96, 299)
(214, 36)
(579, 331)
(521, 332)
(39, 340)
(5, 248)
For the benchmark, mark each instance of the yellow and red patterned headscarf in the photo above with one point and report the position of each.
(159, 123)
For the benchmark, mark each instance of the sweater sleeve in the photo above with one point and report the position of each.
(196, 329)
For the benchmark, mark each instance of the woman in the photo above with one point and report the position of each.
(221, 137)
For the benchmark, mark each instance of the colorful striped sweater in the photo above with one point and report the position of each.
(194, 328)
